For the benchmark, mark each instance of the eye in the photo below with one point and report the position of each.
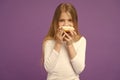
(61, 20)
(70, 20)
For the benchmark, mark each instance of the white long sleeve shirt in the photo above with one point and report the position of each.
(59, 66)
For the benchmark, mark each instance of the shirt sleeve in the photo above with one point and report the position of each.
(78, 62)
(50, 56)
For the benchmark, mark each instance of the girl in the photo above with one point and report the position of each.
(64, 52)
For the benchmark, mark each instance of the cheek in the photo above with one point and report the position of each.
(60, 23)
(71, 24)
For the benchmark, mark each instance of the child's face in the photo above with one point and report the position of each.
(65, 19)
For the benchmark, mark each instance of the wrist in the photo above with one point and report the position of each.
(57, 46)
(69, 43)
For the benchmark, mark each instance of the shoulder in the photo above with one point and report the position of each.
(48, 42)
(82, 39)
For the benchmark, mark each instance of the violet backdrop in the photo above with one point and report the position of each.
(24, 23)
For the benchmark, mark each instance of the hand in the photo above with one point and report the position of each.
(59, 35)
(69, 37)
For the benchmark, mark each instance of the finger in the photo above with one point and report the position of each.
(74, 33)
(63, 36)
(71, 33)
(61, 32)
(66, 39)
(59, 28)
(67, 35)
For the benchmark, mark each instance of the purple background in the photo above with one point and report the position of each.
(24, 23)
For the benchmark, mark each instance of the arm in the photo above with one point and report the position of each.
(51, 54)
(52, 50)
(77, 55)
(71, 51)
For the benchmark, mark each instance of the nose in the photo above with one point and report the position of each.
(66, 23)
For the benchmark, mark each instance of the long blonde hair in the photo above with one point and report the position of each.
(66, 7)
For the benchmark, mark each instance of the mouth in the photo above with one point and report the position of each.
(67, 29)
